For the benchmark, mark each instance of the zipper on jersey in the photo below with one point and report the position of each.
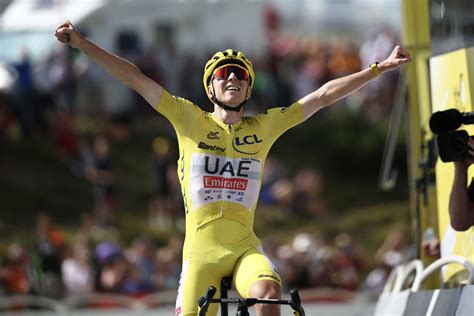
(230, 134)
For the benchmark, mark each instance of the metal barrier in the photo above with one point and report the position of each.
(396, 300)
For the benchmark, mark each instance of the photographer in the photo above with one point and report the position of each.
(461, 202)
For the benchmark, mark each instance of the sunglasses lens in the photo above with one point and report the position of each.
(225, 71)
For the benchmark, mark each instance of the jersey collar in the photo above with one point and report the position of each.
(224, 125)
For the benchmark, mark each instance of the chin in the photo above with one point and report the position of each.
(234, 102)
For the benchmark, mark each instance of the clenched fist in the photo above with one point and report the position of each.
(67, 33)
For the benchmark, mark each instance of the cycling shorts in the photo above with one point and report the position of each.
(218, 249)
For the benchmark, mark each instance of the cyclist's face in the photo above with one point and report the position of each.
(230, 91)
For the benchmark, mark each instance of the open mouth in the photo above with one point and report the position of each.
(232, 88)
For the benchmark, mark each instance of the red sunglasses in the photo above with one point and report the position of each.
(223, 73)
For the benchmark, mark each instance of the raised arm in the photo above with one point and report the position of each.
(461, 209)
(337, 89)
(118, 67)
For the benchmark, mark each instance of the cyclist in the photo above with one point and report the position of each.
(221, 162)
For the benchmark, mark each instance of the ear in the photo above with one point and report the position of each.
(210, 90)
(249, 93)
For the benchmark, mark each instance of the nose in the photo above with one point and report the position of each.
(232, 77)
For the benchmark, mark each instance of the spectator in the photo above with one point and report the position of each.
(49, 246)
(148, 64)
(161, 209)
(9, 127)
(101, 174)
(307, 189)
(65, 138)
(273, 171)
(169, 263)
(112, 269)
(393, 251)
(24, 93)
(77, 270)
(347, 263)
(62, 74)
(140, 255)
(15, 273)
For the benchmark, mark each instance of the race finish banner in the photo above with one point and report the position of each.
(452, 86)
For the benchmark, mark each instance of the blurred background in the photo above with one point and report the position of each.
(90, 200)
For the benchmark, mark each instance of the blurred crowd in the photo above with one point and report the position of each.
(90, 261)
(93, 262)
(48, 98)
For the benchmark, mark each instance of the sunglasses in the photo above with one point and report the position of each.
(223, 73)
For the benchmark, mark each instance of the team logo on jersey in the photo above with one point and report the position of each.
(213, 135)
(228, 168)
(246, 144)
(215, 178)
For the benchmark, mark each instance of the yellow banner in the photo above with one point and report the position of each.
(452, 86)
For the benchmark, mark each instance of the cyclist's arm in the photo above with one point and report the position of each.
(337, 89)
(121, 69)
(461, 209)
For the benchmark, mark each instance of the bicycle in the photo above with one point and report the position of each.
(244, 303)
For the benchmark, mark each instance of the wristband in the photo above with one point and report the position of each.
(375, 69)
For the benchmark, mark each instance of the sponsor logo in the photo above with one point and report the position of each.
(213, 135)
(247, 140)
(227, 168)
(224, 183)
(240, 141)
(268, 276)
(205, 146)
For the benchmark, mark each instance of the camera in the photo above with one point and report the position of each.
(452, 144)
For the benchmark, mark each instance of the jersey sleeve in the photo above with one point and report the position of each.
(279, 120)
(180, 112)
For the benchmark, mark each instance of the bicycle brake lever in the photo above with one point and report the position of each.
(205, 300)
(295, 303)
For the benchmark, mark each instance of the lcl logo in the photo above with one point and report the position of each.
(246, 140)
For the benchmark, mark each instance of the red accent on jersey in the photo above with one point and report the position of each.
(225, 183)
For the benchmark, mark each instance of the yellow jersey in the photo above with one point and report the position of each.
(220, 166)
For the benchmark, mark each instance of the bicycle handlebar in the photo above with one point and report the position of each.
(294, 302)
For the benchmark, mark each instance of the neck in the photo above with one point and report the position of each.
(227, 117)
